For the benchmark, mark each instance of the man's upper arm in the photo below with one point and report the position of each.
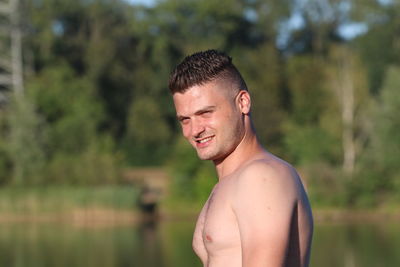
(263, 204)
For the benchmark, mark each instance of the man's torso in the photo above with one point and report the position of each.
(217, 240)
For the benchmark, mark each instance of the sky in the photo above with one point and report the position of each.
(347, 31)
(142, 2)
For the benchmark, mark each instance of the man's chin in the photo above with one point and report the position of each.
(202, 157)
(205, 156)
(208, 156)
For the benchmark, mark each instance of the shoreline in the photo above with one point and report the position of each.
(338, 215)
(78, 217)
(113, 217)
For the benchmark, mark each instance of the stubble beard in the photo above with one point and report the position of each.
(216, 151)
(224, 141)
(208, 153)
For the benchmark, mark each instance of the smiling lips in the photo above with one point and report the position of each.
(204, 141)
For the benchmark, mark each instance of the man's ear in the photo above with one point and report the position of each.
(244, 101)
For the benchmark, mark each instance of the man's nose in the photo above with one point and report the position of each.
(197, 128)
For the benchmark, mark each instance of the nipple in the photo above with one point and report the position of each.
(208, 238)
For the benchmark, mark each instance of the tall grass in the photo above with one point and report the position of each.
(50, 199)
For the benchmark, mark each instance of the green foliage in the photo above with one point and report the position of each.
(96, 92)
(379, 170)
(306, 88)
(63, 199)
(26, 142)
(267, 95)
(94, 165)
(380, 46)
(148, 134)
(308, 138)
(68, 104)
(77, 153)
(204, 180)
(325, 185)
(5, 158)
(192, 179)
(304, 152)
(388, 121)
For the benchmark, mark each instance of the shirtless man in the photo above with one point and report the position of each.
(258, 213)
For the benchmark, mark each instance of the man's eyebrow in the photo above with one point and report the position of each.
(198, 112)
(180, 117)
(205, 109)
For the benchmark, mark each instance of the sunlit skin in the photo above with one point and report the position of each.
(212, 120)
(258, 213)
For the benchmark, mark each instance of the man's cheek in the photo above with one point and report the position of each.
(186, 133)
(213, 124)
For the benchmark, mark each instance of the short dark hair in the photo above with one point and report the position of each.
(203, 67)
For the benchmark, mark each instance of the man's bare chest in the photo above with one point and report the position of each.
(217, 225)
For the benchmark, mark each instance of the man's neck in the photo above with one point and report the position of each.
(248, 148)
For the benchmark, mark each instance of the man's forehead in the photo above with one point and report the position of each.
(192, 100)
(195, 99)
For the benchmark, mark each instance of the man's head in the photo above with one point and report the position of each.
(212, 103)
(203, 67)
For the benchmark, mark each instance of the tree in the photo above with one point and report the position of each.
(377, 177)
(348, 83)
(148, 134)
(308, 138)
(386, 137)
(26, 142)
(379, 46)
(262, 70)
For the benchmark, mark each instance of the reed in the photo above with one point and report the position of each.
(50, 199)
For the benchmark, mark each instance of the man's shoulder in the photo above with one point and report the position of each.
(266, 174)
(270, 167)
(264, 183)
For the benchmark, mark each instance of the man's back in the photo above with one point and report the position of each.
(257, 216)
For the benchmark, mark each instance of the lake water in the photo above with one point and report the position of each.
(168, 244)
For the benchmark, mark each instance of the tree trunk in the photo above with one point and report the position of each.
(16, 49)
(343, 80)
(348, 143)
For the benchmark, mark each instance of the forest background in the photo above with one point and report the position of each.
(324, 76)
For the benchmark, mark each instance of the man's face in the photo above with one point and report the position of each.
(211, 119)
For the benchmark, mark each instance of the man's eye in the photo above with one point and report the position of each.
(184, 120)
(206, 113)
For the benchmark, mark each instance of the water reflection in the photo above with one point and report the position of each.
(168, 244)
(356, 245)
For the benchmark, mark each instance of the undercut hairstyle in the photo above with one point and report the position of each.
(203, 67)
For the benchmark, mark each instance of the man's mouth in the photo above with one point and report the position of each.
(204, 141)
